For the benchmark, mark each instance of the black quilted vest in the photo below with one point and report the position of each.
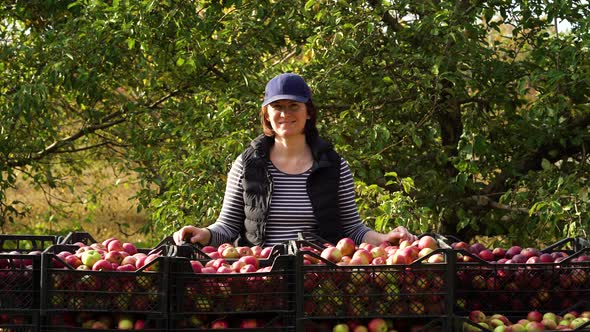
(322, 188)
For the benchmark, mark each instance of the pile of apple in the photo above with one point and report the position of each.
(345, 252)
(101, 321)
(110, 255)
(234, 279)
(519, 279)
(227, 258)
(225, 322)
(534, 321)
(111, 275)
(513, 255)
(377, 324)
(344, 279)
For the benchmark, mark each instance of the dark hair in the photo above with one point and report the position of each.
(310, 129)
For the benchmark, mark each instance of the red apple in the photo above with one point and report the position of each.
(115, 245)
(114, 256)
(129, 248)
(377, 325)
(332, 254)
(248, 268)
(361, 257)
(126, 268)
(220, 324)
(256, 250)
(244, 251)
(196, 265)
(249, 259)
(427, 241)
(346, 246)
(73, 261)
(102, 265)
(265, 253)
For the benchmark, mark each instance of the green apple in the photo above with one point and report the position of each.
(340, 328)
(90, 257)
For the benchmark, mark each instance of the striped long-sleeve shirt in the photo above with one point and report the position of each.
(290, 208)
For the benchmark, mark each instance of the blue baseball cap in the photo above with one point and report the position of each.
(286, 86)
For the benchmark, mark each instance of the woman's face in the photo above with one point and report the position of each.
(287, 117)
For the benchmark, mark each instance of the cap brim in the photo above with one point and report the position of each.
(300, 99)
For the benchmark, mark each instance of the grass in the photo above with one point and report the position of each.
(100, 203)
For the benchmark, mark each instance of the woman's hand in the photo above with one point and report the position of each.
(192, 234)
(399, 234)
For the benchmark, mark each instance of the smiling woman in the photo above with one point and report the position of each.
(288, 181)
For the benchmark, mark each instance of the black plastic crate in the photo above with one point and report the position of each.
(77, 237)
(326, 290)
(268, 294)
(64, 288)
(92, 321)
(25, 243)
(515, 289)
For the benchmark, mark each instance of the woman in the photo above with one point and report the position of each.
(288, 181)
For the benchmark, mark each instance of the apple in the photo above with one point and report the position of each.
(546, 258)
(249, 323)
(477, 247)
(149, 262)
(125, 323)
(398, 258)
(219, 324)
(534, 316)
(361, 328)
(436, 258)
(361, 257)
(487, 255)
(265, 253)
(139, 324)
(249, 259)
(427, 241)
(346, 246)
(237, 265)
(224, 269)
(196, 265)
(332, 254)
(425, 252)
(224, 246)
(129, 260)
(477, 316)
(73, 261)
(379, 252)
(230, 253)
(377, 325)
(248, 268)
(129, 248)
(126, 268)
(256, 250)
(114, 257)
(114, 245)
(341, 328)
(90, 257)
(208, 249)
(460, 245)
(512, 251)
(102, 265)
(245, 251)
(530, 252)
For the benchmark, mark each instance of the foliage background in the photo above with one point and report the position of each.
(466, 117)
